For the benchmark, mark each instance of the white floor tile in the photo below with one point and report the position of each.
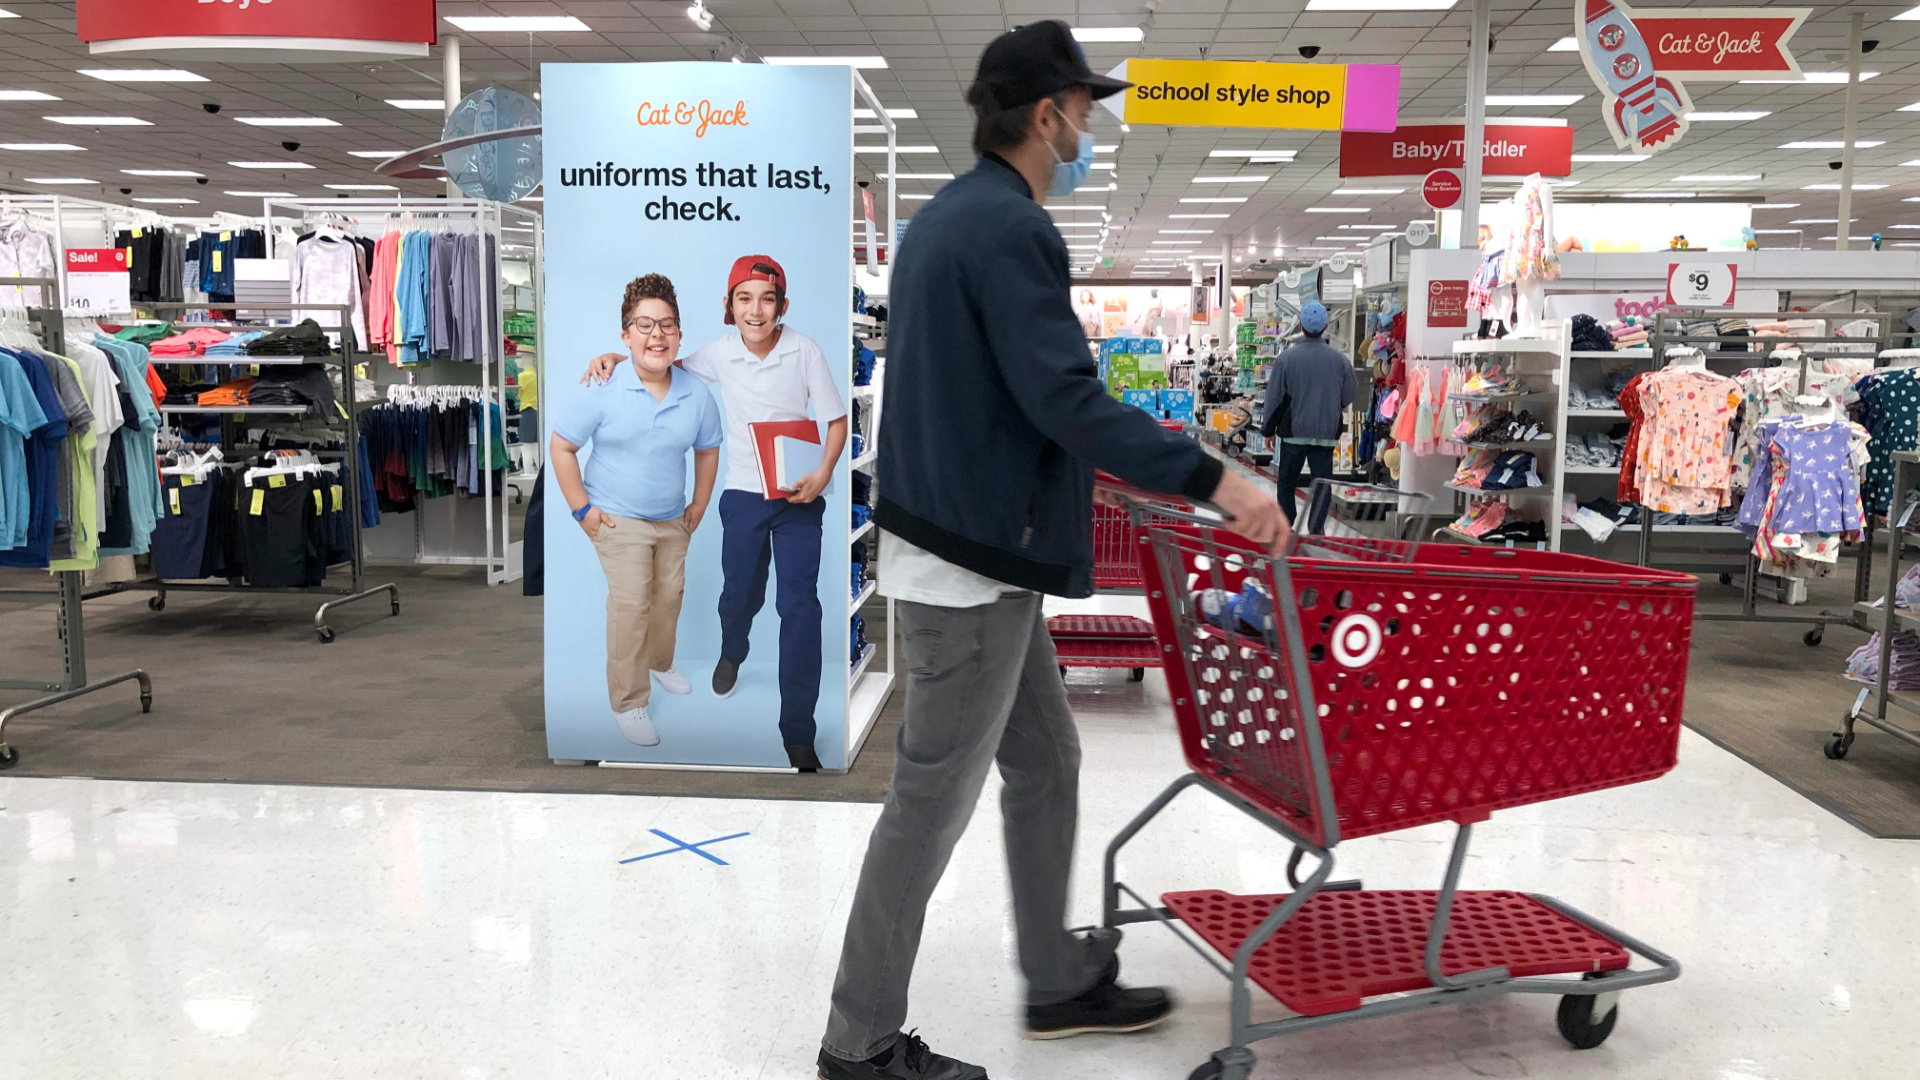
(168, 931)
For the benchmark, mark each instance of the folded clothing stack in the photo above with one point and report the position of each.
(194, 342)
(1489, 470)
(234, 345)
(1628, 333)
(858, 639)
(306, 385)
(304, 339)
(227, 393)
(1590, 336)
(1734, 328)
(1903, 665)
(1597, 449)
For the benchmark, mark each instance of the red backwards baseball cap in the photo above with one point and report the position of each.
(754, 268)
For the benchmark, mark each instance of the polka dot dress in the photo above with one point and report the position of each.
(1892, 402)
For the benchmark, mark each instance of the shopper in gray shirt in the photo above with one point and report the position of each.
(1311, 386)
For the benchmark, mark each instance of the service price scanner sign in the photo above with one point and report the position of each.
(97, 280)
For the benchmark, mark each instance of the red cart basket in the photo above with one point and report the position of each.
(1112, 641)
(1390, 685)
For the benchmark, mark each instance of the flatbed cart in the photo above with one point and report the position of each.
(1112, 641)
(1888, 620)
(1406, 685)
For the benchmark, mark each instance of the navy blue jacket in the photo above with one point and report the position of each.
(995, 417)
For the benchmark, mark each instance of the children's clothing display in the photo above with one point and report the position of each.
(329, 269)
(1803, 499)
(1768, 393)
(430, 448)
(433, 296)
(1682, 463)
(26, 250)
(279, 523)
(1889, 401)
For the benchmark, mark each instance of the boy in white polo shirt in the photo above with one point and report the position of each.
(767, 371)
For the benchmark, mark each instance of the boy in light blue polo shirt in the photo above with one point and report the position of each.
(632, 501)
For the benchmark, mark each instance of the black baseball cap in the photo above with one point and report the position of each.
(1037, 60)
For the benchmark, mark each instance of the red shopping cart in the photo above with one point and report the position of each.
(1112, 641)
(1393, 685)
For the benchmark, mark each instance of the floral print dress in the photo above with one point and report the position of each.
(1685, 465)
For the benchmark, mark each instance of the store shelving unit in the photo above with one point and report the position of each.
(1888, 620)
(73, 680)
(1539, 365)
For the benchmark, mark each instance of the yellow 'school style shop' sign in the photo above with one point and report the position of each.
(1233, 93)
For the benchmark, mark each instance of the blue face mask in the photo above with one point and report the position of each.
(1068, 175)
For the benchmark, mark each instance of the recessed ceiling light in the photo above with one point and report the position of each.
(1832, 144)
(531, 24)
(1565, 44)
(1534, 99)
(1374, 228)
(1342, 239)
(261, 194)
(1836, 187)
(269, 164)
(100, 121)
(1314, 247)
(1257, 157)
(169, 202)
(1216, 199)
(1230, 179)
(288, 121)
(828, 61)
(1105, 148)
(1815, 221)
(1775, 205)
(1065, 206)
(1658, 195)
(1108, 33)
(161, 172)
(5, 14)
(915, 176)
(1078, 225)
(1809, 78)
(897, 149)
(1176, 217)
(38, 146)
(1611, 157)
(1909, 15)
(1370, 191)
(58, 180)
(1339, 209)
(1103, 166)
(25, 95)
(1202, 232)
(897, 114)
(1716, 178)
(142, 75)
(1903, 226)
(418, 104)
(380, 154)
(916, 198)
(1379, 5)
(1726, 117)
(360, 187)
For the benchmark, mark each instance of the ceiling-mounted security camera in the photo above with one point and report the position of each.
(1869, 45)
(290, 146)
(201, 180)
(1308, 52)
(1834, 165)
(126, 191)
(211, 106)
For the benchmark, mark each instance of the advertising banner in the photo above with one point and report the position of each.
(1640, 58)
(1237, 93)
(715, 195)
(1417, 147)
(358, 20)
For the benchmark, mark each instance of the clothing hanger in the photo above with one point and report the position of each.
(1686, 358)
(1819, 411)
(1901, 358)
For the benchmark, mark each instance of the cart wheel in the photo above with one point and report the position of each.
(9, 757)
(157, 603)
(1838, 746)
(1814, 636)
(1726, 578)
(1577, 1023)
(1139, 674)
(326, 635)
(1211, 1070)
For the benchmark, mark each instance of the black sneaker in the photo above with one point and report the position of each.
(1108, 1007)
(801, 756)
(725, 674)
(907, 1059)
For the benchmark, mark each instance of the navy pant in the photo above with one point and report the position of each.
(1319, 463)
(756, 533)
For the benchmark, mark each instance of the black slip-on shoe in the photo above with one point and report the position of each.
(725, 674)
(907, 1059)
(802, 757)
(1108, 1007)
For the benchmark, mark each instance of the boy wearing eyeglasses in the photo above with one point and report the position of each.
(632, 501)
(767, 371)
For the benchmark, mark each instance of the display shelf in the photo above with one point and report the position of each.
(1620, 413)
(1498, 493)
(264, 410)
(1488, 399)
(866, 460)
(1874, 616)
(1544, 346)
(860, 532)
(860, 666)
(866, 594)
(1612, 354)
(223, 361)
(1524, 444)
(865, 320)
(1591, 470)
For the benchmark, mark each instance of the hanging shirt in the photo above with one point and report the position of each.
(143, 470)
(82, 440)
(780, 387)
(20, 417)
(326, 270)
(24, 252)
(43, 448)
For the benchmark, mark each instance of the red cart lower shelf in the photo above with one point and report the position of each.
(1341, 947)
(1104, 641)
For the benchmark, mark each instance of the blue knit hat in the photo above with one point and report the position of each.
(1313, 317)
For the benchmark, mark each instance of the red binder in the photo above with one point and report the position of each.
(763, 435)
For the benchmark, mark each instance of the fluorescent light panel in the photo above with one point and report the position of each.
(1257, 157)
(287, 121)
(161, 172)
(25, 95)
(1611, 157)
(1379, 5)
(1202, 232)
(828, 61)
(916, 176)
(1370, 191)
(169, 202)
(897, 149)
(1534, 99)
(381, 155)
(1231, 179)
(417, 104)
(1108, 33)
(57, 180)
(1832, 144)
(261, 194)
(530, 24)
(1066, 206)
(1716, 178)
(1339, 209)
(269, 164)
(1177, 217)
(1565, 44)
(1836, 187)
(1775, 232)
(897, 114)
(1812, 78)
(39, 146)
(100, 121)
(916, 198)
(1372, 228)
(1658, 195)
(360, 187)
(126, 75)
(1726, 117)
(1215, 199)
(1775, 205)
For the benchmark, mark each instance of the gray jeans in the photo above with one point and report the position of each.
(983, 686)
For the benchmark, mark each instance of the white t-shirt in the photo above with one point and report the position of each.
(755, 390)
(918, 576)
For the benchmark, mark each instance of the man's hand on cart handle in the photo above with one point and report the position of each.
(1104, 497)
(1252, 512)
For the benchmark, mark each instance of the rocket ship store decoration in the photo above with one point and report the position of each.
(1642, 59)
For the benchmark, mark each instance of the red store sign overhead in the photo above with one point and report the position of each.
(322, 27)
(1417, 147)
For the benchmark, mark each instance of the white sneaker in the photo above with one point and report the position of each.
(638, 729)
(673, 682)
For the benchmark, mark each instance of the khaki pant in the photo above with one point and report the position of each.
(646, 567)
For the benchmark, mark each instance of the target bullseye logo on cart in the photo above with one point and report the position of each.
(1356, 640)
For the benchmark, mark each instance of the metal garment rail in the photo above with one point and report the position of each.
(1888, 620)
(73, 681)
(350, 472)
(1810, 348)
